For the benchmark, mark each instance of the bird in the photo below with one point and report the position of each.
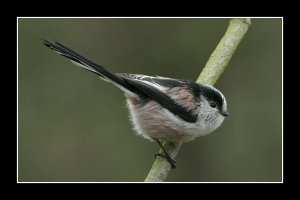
(160, 108)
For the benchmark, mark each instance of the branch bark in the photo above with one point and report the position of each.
(213, 69)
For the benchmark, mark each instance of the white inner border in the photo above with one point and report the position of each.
(149, 18)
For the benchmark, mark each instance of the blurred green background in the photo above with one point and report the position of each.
(75, 127)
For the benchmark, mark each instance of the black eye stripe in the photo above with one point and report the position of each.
(211, 94)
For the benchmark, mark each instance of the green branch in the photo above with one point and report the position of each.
(213, 69)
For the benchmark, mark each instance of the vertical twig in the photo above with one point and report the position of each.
(213, 69)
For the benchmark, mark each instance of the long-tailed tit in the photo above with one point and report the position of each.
(161, 108)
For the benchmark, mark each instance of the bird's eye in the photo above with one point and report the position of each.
(213, 105)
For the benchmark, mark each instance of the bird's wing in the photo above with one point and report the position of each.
(160, 90)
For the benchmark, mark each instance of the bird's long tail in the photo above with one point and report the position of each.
(89, 65)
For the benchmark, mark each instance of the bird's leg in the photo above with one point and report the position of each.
(165, 155)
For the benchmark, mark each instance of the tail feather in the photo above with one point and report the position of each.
(134, 85)
(77, 58)
(87, 64)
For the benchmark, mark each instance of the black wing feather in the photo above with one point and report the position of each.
(164, 100)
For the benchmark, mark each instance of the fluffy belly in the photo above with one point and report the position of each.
(152, 121)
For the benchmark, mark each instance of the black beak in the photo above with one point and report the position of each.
(225, 113)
